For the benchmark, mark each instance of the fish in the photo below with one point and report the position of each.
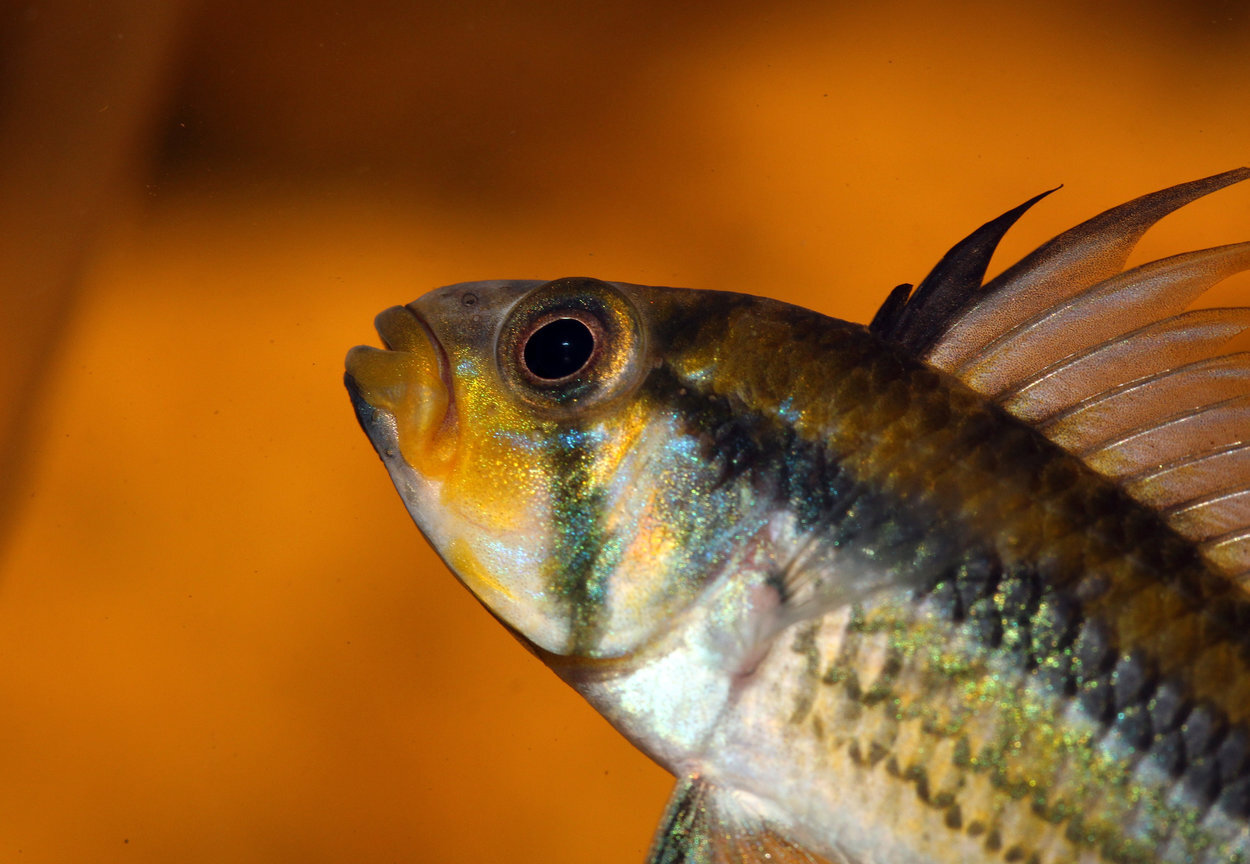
(966, 583)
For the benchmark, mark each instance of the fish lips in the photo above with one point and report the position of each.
(377, 425)
(401, 394)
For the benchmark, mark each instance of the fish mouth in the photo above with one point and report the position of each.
(402, 393)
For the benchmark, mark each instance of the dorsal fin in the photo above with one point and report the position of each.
(919, 319)
(1107, 363)
(1073, 261)
(1103, 311)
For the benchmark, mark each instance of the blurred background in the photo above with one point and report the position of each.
(220, 636)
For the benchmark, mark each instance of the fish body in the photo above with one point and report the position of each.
(963, 584)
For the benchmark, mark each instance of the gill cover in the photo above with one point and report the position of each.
(513, 419)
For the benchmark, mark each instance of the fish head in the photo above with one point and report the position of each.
(506, 413)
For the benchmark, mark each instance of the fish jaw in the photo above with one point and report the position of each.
(404, 398)
(404, 407)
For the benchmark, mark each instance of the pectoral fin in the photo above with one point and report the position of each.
(705, 824)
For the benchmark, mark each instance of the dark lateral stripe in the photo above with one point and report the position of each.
(810, 480)
(1049, 621)
(796, 473)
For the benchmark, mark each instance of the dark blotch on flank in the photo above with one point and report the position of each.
(1168, 708)
(1095, 653)
(1235, 798)
(1233, 754)
(1169, 752)
(1134, 724)
(1202, 780)
(1133, 679)
(1203, 730)
(1098, 700)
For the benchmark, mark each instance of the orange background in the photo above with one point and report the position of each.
(220, 637)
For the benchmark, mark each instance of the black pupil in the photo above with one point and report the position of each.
(559, 349)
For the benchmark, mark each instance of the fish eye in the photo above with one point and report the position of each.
(559, 348)
(571, 345)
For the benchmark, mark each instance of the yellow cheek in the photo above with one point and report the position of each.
(432, 455)
(499, 477)
(464, 562)
(624, 431)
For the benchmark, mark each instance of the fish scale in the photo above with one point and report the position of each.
(977, 750)
(965, 584)
(1097, 541)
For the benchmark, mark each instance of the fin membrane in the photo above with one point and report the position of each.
(918, 319)
(1106, 362)
(705, 824)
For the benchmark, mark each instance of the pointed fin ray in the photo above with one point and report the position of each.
(705, 824)
(1103, 311)
(886, 320)
(919, 319)
(1139, 402)
(1150, 350)
(1089, 253)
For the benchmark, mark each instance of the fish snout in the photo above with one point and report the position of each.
(407, 381)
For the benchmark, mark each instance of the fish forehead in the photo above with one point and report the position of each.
(468, 315)
(470, 311)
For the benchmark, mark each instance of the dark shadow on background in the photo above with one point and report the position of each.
(80, 89)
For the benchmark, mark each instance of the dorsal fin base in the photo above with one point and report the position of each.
(1106, 362)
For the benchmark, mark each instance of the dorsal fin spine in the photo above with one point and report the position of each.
(1088, 253)
(921, 318)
